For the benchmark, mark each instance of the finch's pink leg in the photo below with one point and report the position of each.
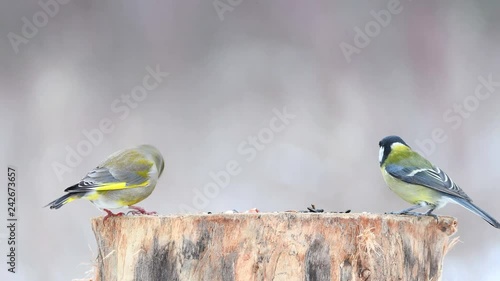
(110, 214)
(138, 210)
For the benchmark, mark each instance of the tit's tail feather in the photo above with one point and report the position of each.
(59, 202)
(478, 211)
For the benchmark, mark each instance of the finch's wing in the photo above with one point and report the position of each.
(433, 178)
(126, 170)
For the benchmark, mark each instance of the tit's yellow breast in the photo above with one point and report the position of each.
(411, 193)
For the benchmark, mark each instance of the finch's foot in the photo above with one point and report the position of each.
(110, 214)
(139, 211)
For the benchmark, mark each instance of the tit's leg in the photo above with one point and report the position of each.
(406, 211)
(110, 214)
(136, 210)
(429, 213)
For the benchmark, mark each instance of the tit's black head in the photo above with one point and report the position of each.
(385, 147)
(389, 140)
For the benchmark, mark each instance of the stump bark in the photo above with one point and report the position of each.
(272, 246)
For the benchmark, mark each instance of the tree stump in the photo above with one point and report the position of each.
(272, 246)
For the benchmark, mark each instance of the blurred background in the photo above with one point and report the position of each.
(338, 75)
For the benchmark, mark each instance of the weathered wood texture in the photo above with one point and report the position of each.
(272, 246)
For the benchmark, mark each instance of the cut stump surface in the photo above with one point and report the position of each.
(272, 246)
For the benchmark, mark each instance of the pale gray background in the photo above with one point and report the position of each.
(226, 76)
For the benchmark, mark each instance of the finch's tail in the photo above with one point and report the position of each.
(478, 211)
(59, 202)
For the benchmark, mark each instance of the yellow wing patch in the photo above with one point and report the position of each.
(119, 186)
(70, 199)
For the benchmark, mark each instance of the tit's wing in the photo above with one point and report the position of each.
(127, 169)
(433, 178)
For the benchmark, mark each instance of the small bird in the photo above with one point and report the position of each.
(419, 182)
(125, 178)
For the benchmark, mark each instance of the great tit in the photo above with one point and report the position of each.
(125, 178)
(419, 182)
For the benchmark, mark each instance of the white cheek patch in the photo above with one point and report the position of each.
(380, 154)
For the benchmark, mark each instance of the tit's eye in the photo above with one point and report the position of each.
(380, 143)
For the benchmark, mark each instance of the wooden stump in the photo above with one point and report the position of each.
(272, 246)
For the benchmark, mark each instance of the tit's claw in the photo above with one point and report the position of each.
(394, 213)
(406, 213)
(417, 214)
(430, 214)
(434, 216)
